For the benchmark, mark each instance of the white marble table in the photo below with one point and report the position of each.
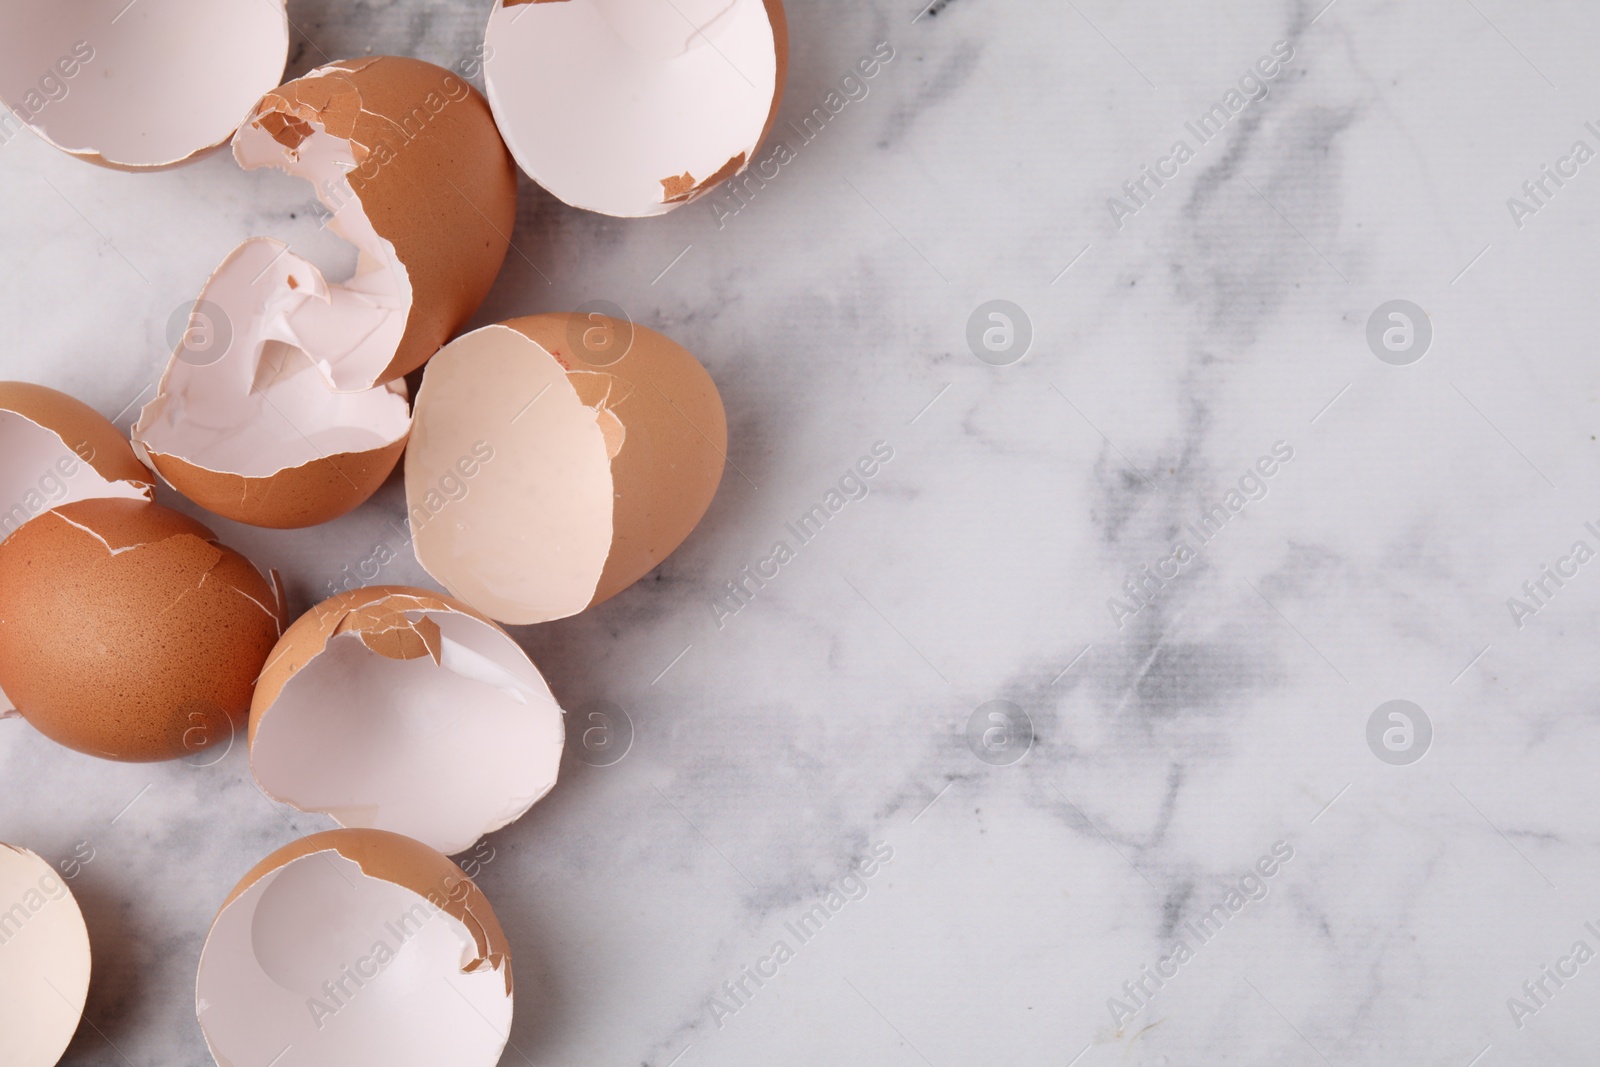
(1176, 341)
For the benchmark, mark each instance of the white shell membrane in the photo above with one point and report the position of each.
(526, 539)
(601, 101)
(326, 966)
(143, 84)
(44, 961)
(442, 752)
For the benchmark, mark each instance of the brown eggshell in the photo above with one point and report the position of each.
(655, 427)
(128, 633)
(443, 191)
(317, 924)
(398, 859)
(82, 429)
(673, 417)
(399, 709)
(300, 415)
(375, 612)
(296, 497)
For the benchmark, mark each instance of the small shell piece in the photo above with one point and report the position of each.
(599, 466)
(137, 86)
(404, 710)
(356, 948)
(44, 961)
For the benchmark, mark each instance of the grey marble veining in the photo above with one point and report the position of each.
(1185, 736)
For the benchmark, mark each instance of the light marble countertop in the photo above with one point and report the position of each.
(841, 713)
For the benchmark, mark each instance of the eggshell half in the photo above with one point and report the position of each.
(44, 961)
(54, 450)
(302, 416)
(142, 85)
(127, 632)
(403, 710)
(598, 470)
(354, 948)
(634, 107)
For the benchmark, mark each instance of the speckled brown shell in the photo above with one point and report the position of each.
(294, 498)
(128, 633)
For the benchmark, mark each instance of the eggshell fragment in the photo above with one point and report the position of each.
(54, 450)
(354, 948)
(128, 633)
(634, 107)
(403, 710)
(600, 470)
(141, 85)
(301, 417)
(44, 961)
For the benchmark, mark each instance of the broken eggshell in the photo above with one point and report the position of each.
(127, 632)
(356, 948)
(139, 86)
(302, 416)
(595, 471)
(44, 961)
(634, 107)
(400, 709)
(54, 450)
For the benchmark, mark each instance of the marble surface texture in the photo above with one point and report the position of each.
(1176, 742)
